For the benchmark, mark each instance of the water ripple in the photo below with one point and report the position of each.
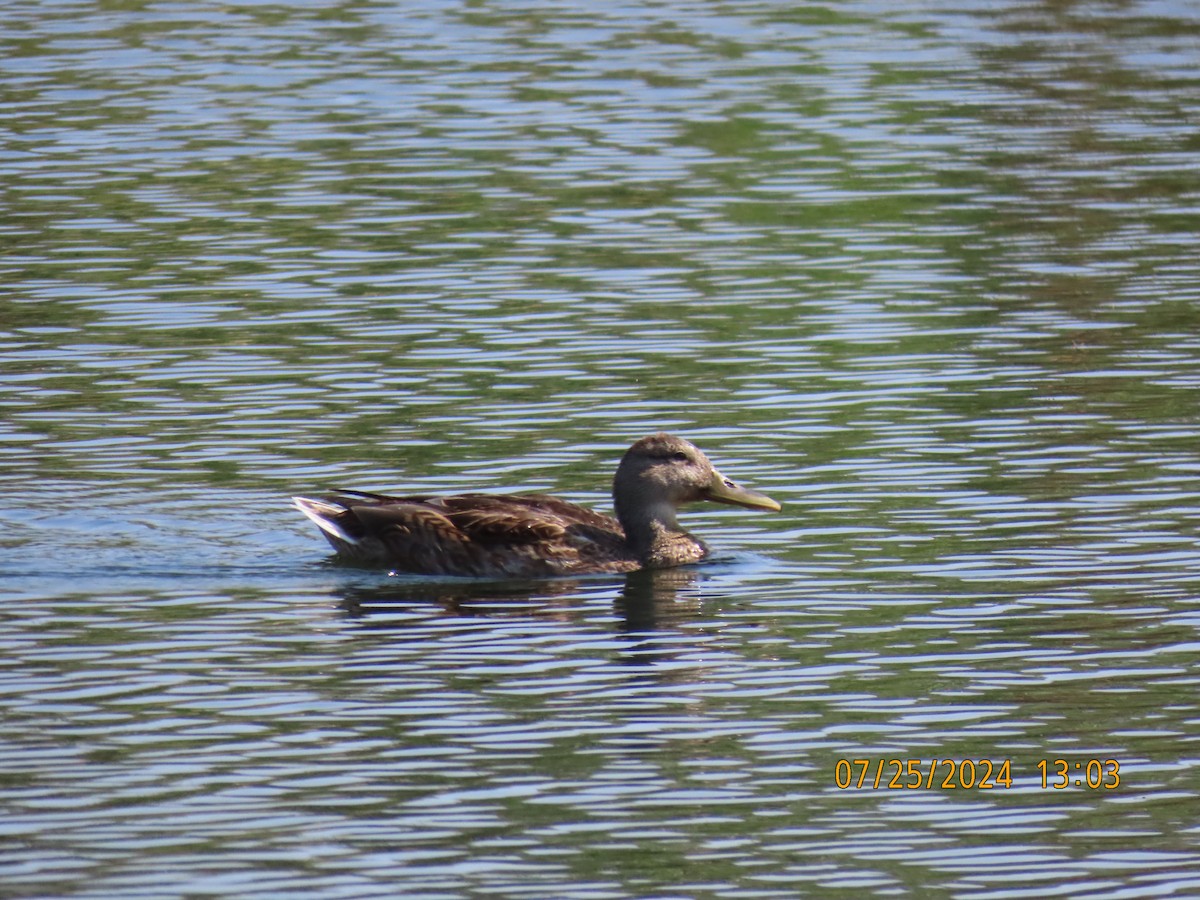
(924, 275)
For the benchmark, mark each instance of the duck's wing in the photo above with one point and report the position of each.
(537, 516)
(523, 534)
(570, 514)
(471, 534)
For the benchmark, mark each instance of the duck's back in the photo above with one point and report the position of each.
(479, 535)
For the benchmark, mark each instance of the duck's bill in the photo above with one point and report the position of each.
(722, 490)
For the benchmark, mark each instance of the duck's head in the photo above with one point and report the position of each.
(662, 472)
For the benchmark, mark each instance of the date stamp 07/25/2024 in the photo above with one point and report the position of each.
(973, 774)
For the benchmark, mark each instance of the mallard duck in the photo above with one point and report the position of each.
(534, 536)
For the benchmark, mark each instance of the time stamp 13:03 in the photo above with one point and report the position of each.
(972, 774)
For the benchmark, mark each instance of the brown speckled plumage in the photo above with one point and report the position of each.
(524, 536)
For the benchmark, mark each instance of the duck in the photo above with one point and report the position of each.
(534, 535)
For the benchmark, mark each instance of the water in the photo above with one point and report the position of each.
(925, 275)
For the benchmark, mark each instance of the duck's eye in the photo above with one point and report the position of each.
(679, 456)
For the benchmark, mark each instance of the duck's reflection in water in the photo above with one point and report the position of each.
(647, 600)
(653, 599)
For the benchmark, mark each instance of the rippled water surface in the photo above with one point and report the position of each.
(926, 273)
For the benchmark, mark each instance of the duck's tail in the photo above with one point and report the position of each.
(325, 516)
